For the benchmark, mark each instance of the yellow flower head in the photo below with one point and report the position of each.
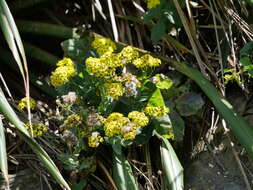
(146, 61)
(23, 104)
(103, 45)
(114, 90)
(114, 124)
(105, 66)
(65, 62)
(128, 54)
(63, 72)
(38, 129)
(152, 3)
(95, 139)
(72, 121)
(129, 131)
(138, 118)
(156, 111)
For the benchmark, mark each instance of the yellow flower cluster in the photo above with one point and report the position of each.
(103, 45)
(95, 139)
(138, 118)
(23, 104)
(38, 129)
(128, 54)
(117, 124)
(105, 66)
(72, 121)
(146, 61)
(152, 3)
(114, 90)
(114, 123)
(65, 69)
(156, 111)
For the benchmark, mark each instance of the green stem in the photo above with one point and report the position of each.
(38, 28)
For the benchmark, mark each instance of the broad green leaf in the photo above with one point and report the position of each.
(171, 126)
(247, 49)
(171, 166)
(157, 31)
(163, 126)
(178, 125)
(145, 135)
(156, 99)
(3, 155)
(122, 172)
(188, 104)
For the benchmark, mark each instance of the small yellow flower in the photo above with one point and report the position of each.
(152, 3)
(95, 139)
(128, 54)
(72, 121)
(114, 90)
(158, 111)
(146, 61)
(63, 72)
(138, 118)
(38, 129)
(23, 104)
(103, 45)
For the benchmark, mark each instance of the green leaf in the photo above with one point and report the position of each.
(247, 49)
(79, 186)
(3, 155)
(145, 135)
(158, 30)
(163, 126)
(188, 104)
(122, 172)
(156, 99)
(178, 125)
(171, 166)
(247, 65)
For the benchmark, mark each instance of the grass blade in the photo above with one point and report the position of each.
(12, 35)
(3, 155)
(10, 38)
(9, 114)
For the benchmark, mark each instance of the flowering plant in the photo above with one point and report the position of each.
(111, 94)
